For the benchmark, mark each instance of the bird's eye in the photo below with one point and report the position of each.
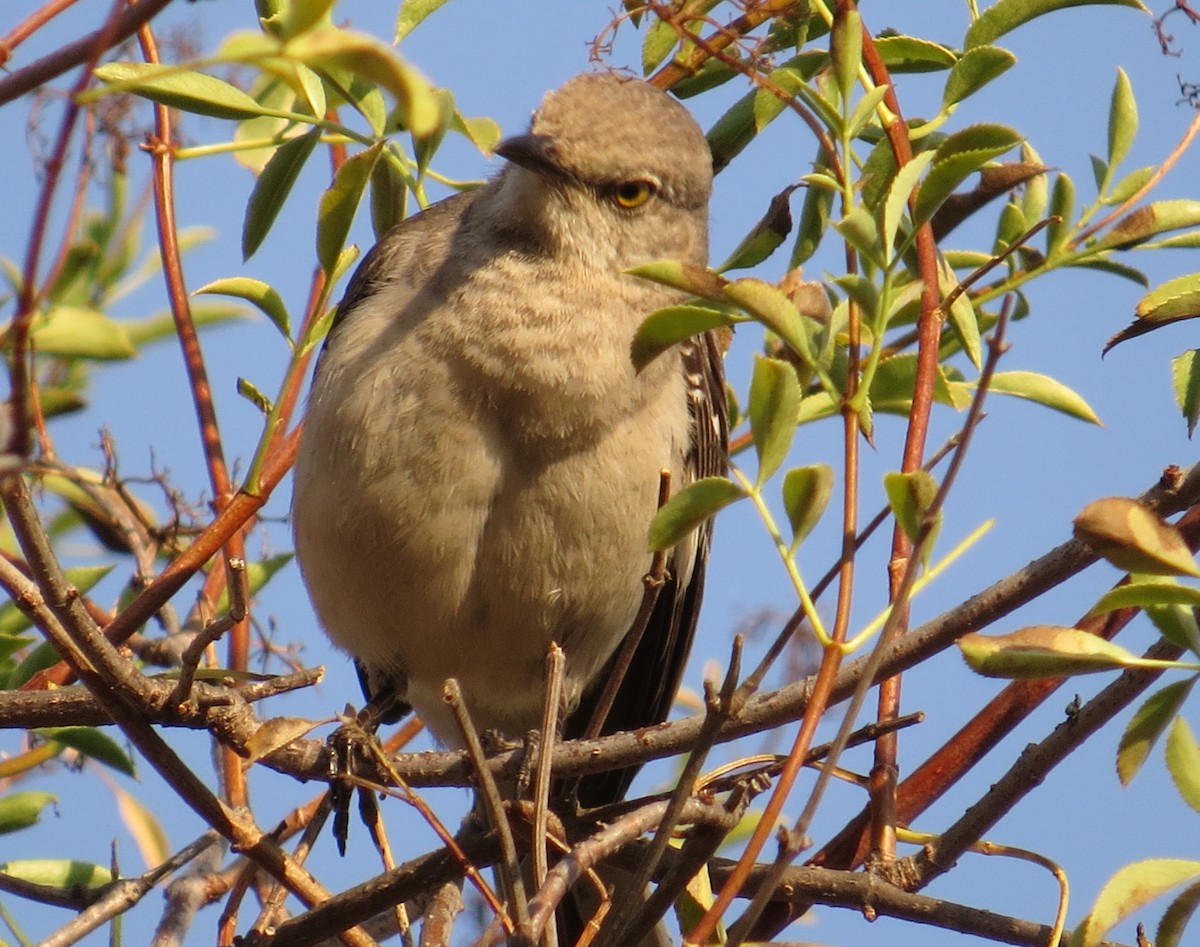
(631, 194)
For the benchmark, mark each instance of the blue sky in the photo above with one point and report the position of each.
(1030, 469)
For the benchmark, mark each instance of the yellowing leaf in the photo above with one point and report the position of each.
(1132, 537)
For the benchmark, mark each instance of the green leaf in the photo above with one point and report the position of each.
(483, 132)
(661, 38)
(1183, 762)
(956, 158)
(77, 332)
(963, 317)
(251, 392)
(1128, 891)
(690, 508)
(81, 578)
(903, 54)
(178, 88)
(92, 743)
(412, 12)
(911, 496)
(896, 202)
(1129, 185)
(389, 196)
(1140, 225)
(1149, 722)
(765, 236)
(1042, 651)
(1133, 537)
(1177, 624)
(1062, 205)
(975, 69)
(1185, 371)
(670, 326)
(814, 223)
(845, 48)
(59, 873)
(258, 574)
(272, 188)
(859, 229)
(770, 306)
(806, 493)
(1176, 917)
(1045, 391)
(363, 55)
(1004, 16)
(1145, 594)
(340, 202)
(259, 294)
(1122, 120)
(773, 406)
(688, 277)
(296, 16)
(20, 810)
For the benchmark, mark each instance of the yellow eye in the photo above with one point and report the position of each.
(631, 194)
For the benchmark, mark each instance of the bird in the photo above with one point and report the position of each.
(480, 459)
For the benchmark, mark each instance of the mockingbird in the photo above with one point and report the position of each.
(481, 460)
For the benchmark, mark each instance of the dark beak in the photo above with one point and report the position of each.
(536, 153)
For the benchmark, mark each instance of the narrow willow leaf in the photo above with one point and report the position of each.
(685, 276)
(845, 48)
(1128, 891)
(272, 188)
(1045, 391)
(670, 326)
(1062, 206)
(340, 202)
(771, 306)
(149, 834)
(1004, 16)
(690, 508)
(296, 16)
(179, 88)
(1185, 370)
(903, 54)
(975, 69)
(864, 111)
(806, 493)
(772, 408)
(1146, 594)
(1133, 537)
(77, 332)
(363, 55)
(859, 229)
(19, 810)
(1177, 624)
(412, 12)
(960, 155)
(1176, 917)
(259, 294)
(61, 873)
(81, 578)
(1122, 119)
(1149, 722)
(661, 38)
(275, 733)
(814, 221)
(1129, 185)
(963, 317)
(389, 196)
(1183, 762)
(92, 743)
(896, 202)
(1140, 225)
(1042, 651)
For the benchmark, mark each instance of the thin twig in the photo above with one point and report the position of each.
(488, 797)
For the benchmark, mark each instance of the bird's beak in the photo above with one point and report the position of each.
(535, 153)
